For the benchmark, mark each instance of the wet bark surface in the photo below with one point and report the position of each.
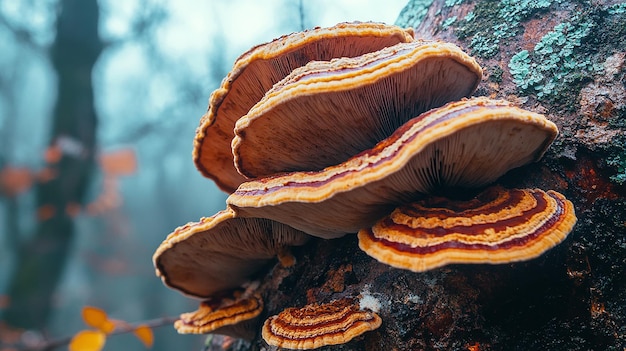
(565, 60)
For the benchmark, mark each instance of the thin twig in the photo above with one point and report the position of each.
(121, 328)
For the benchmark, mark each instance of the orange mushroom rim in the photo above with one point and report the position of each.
(316, 325)
(379, 148)
(213, 314)
(559, 215)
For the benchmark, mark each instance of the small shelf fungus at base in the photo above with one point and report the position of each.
(256, 71)
(221, 252)
(497, 226)
(236, 317)
(451, 146)
(328, 111)
(315, 325)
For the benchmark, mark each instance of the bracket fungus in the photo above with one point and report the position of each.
(236, 318)
(313, 326)
(257, 70)
(366, 126)
(497, 226)
(220, 252)
(469, 143)
(328, 111)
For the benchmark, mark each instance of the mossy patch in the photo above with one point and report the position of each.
(413, 13)
(617, 159)
(555, 63)
(495, 74)
(570, 55)
(492, 23)
(618, 162)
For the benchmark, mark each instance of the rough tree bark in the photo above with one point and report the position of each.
(565, 59)
(41, 260)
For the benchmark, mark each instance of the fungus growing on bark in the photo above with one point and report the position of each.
(236, 317)
(497, 226)
(328, 111)
(313, 326)
(257, 70)
(469, 143)
(221, 252)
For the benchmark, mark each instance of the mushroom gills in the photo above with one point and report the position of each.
(326, 112)
(469, 143)
(256, 71)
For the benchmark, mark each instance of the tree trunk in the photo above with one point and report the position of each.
(41, 260)
(565, 59)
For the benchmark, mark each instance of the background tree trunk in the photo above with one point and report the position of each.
(565, 59)
(41, 260)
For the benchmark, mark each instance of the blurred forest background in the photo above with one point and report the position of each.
(99, 101)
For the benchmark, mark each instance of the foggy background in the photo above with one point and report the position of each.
(121, 153)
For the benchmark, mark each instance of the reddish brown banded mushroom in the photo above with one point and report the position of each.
(326, 112)
(315, 325)
(235, 318)
(258, 69)
(220, 252)
(498, 226)
(469, 143)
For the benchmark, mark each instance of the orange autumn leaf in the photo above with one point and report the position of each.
(119, 162)
(97, 318)
(72, 209)
(144, 334)
(53, 154)
(4, 301)
(45, 212)
(88, 340)
(15, 180)
(46, 174)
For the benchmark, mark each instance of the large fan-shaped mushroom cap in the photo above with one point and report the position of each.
(257, 70)
(470, 143)
(326, 112)
(220, 252)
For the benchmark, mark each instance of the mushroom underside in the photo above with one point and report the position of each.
(331, 204)
(221, 252)
(256, 71)
(310, 128)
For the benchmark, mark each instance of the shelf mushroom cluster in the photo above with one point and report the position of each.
(355, 128)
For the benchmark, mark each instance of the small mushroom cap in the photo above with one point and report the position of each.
(497, 226)
(469, 143)
(257, 70)
(219, 318)
(220, 252)
(315, 325)
(326, 112)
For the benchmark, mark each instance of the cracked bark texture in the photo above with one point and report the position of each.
(565, 59)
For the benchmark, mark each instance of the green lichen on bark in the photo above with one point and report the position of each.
(492, 23)
(413, 13)
(557, 61)
(570, 55)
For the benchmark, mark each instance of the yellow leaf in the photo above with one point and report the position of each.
(88, 340)
(144, 334)
(97, 318)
